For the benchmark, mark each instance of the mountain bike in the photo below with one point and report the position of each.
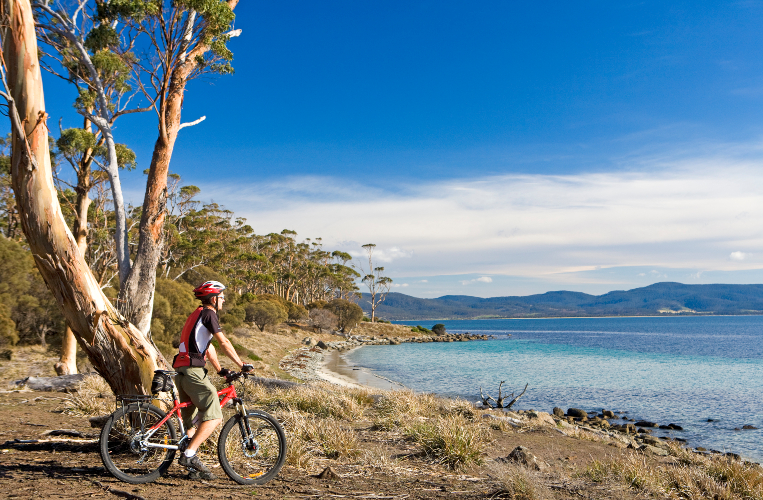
(139, 441)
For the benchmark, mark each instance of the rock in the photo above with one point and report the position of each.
(522, 455)
(675, 427)
(542, 416)
(735, 456)
(308, 341)
(576, 413)
(604, 424)
(710, 420)
(645, 423)
(558, 412)
(654, 450)
(7, 354)
(328, 473)
(608, 413)
(749, 427)
(322, 345)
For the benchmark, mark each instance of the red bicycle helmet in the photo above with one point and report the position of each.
(208, 288)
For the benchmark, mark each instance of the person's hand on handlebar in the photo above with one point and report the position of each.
(246, 367)
(225, 373)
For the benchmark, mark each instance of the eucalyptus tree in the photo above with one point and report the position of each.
(81, 148)
(119, 351)
(378, 285)
(179, 40)
(77, 43)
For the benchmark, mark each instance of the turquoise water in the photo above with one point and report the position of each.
(682, 370)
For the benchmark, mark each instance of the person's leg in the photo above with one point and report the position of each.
(188, 413)
(204, 396)
(205, 430)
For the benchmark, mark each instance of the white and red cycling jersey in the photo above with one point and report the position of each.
(197, 333)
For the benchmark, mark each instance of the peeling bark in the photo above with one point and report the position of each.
(118, 350)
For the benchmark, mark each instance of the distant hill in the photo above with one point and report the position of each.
(657, 299)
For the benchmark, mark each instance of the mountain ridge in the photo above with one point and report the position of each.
(657, 299)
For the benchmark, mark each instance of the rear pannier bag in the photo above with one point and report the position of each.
(161, 382)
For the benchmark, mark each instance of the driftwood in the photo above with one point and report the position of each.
(64, 383)
(499, 402)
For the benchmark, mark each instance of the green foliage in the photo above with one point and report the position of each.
(297, 312)
(438, 329)
(173, 303)
(101, 37)
(419, 329)
(348, 314)
(265, 313)
(28, 312)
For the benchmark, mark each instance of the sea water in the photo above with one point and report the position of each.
(702, 373)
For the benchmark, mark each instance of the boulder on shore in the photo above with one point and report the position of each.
(558, 412)
(576, 413)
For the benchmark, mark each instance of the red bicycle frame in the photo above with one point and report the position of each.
(227, 394)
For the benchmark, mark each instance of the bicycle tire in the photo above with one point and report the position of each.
(243, 464)
(120, 450)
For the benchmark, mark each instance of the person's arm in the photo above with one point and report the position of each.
(227, 348)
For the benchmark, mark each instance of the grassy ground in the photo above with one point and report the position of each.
(381, 444)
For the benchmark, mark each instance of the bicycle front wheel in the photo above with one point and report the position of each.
(252, 449)
(126, 440)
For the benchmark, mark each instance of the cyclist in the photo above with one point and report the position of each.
(193, 385)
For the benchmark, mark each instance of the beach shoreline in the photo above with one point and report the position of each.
(336, 369)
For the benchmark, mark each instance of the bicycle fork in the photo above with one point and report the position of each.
(248, 442)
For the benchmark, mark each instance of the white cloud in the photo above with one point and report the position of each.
(663, 213)
(396, 285)
(739, 256)
(483, 279)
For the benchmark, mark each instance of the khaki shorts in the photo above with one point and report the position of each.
(194, 385)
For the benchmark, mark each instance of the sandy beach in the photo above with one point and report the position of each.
(313, 363)
(334, 368)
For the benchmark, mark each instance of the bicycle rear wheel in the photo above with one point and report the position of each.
(252, 449)
(123, 444)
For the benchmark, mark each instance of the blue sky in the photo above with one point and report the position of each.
(493, 148)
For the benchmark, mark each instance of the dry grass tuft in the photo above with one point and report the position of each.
(93, 397)
(692, 476)
(451, 440)
(310, 436)
(518, 482)
(318, 399)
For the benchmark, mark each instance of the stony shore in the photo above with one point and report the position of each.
(317, 361)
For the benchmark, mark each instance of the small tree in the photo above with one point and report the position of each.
(347, 314)
(297, 312)
(439, 329)
(264, 313)
(378, 285)
(323, 319)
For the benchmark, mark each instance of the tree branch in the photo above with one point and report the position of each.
(191, 124)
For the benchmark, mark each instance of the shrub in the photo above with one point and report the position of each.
(347, 314)
(265, 313)
(318, 304)
(297, 312)
(323, 319)
(439, 329)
